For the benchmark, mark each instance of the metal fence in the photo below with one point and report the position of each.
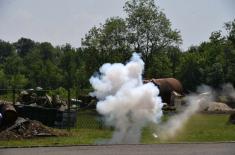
(89, 119)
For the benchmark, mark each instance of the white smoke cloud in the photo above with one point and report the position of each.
(126, 103)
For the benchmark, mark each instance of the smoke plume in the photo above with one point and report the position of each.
(194, 102)
(228, 90)
(125, 102)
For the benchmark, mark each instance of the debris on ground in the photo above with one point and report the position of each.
(216, 107)
(25, 128)
(39, 97)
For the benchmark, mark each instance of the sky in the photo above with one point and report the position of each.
(67, 21)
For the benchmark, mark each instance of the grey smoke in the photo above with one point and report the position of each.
(126, 103)
(228, 90)
(194, 102)
(204, 97)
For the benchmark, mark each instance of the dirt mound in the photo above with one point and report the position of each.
(28, 129)
(217, 107)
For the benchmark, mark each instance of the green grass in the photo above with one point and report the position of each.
(199, 128)
(208, 128)
(77, 136)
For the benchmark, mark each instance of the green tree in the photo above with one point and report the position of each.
(174, 56)
(34, 68)
(108, 42)
(191, 70)
(3, 80)
(13, 69)
(214, 75)
(149, 29)
(24, 46)
(42, 65)
(83, 71)
(160, 66)
(229, 52)
(230, 27)
(68, 66)
(229, 62)
(6, 50)
(47, 51)
(214, 64)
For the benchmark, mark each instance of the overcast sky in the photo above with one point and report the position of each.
(67, 21)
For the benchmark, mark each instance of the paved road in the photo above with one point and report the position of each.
(159, 149)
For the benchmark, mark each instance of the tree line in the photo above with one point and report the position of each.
(145, 30)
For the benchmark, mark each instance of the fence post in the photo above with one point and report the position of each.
(13, 95)
(69, 119)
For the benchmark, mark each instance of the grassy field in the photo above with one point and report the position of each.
(199, 128)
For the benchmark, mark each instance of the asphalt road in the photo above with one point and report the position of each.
(156, 149)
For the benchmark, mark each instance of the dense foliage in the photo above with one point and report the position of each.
(146, 30)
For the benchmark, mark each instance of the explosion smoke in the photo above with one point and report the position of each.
(228, 90)
(126, 103)
(195, 102)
